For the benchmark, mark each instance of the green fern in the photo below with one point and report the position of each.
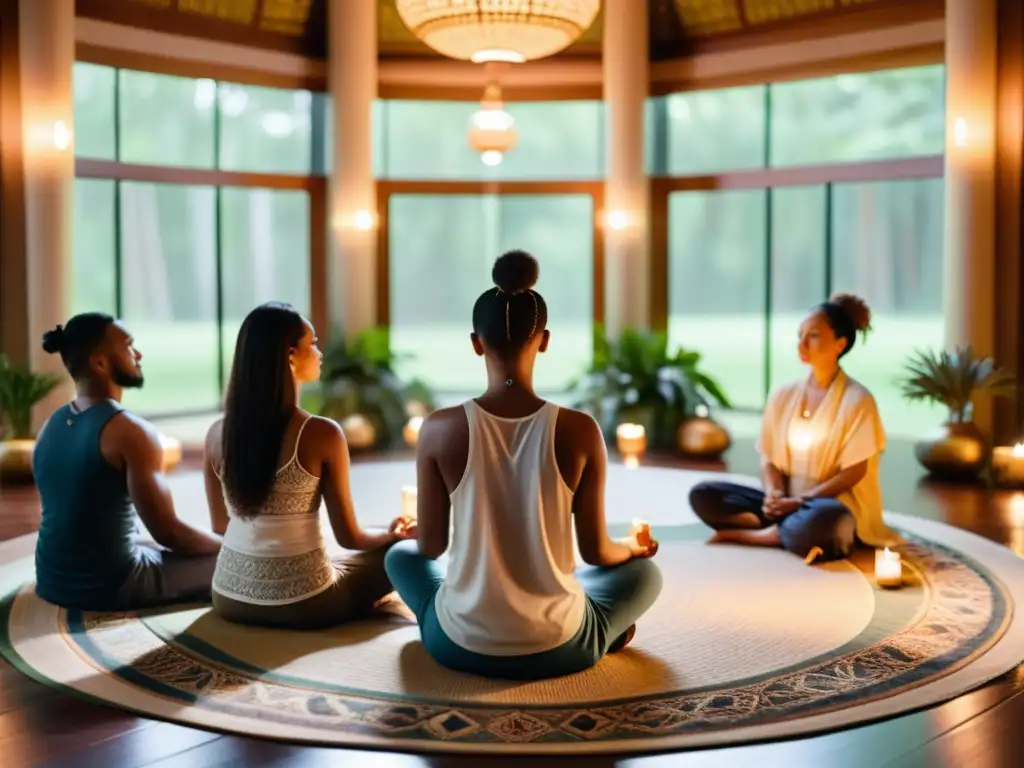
(20, 390)
(953, 379)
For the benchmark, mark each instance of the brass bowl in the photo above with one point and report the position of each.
(703, 438)
(959, 452)
(359, 431)
(16, 460)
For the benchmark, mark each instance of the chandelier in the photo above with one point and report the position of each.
(511, 31)
(492, 130)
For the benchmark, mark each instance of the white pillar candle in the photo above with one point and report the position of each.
(888, 568)
(1008, 464)
(631, 439)
(410, 499)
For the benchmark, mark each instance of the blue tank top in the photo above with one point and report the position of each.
(85, 548)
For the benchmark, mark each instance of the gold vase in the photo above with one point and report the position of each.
(359, 431)
(16, 460)
(702, 438)
(172, 452)
(959, 452)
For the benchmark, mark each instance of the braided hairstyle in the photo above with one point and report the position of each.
(511, 314)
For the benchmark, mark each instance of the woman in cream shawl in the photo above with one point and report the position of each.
(821, 443)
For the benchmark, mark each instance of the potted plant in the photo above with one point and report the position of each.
(636, 378)
(954, 379)
(361, 391)
(20, 390)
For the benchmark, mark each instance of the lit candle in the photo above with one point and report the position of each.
(411, 432)
(410, 498)
(641, 530)
(631, 439)
(1008, 464)
(888, 568)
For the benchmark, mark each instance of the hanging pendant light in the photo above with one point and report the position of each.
(492, 130)
(511, 31)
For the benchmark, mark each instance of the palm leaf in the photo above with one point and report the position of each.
(20, 390)
(953, 379)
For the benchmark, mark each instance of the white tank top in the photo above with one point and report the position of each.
(279, 556)
(510, 588)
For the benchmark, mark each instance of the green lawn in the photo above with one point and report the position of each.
(180, 360)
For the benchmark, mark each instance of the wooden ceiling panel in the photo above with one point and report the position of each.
(677, 27)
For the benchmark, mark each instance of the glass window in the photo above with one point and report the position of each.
(166, 120)
(717, 273)
(95, 282)
(169, 294)
(887, 248)
(264, 130)
(437, 271)
(715, 131)
(428, 140)
(859, 117)
(93, 90)
(265, 243)
(799, 272)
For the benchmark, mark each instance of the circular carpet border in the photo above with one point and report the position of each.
(1003, 570)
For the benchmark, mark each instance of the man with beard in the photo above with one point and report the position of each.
(96, 466)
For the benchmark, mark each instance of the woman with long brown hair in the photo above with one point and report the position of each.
(268, 465)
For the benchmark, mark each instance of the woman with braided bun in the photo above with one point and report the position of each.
(511, 475)
(821, 444)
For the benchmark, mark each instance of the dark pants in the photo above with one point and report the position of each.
(359, 583)
(616, 598)
(161, 577)
(824, 523)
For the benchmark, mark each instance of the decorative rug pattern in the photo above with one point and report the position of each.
(875, 653)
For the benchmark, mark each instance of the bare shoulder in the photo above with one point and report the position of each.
(130, 438)
(214, 436)
(578, 428)
(322, 432)
(444, 424)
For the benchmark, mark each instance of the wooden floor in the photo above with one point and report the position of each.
(40, 727)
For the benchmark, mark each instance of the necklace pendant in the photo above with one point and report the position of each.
(508, 382)
(806, 414)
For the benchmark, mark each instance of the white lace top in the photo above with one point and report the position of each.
(277, 556)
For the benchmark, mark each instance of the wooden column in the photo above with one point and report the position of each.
(1009, 288)
(352, 81)
(13, 260)
(627, 216)
(970, 178)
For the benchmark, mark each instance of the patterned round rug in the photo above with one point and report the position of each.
(742, 645)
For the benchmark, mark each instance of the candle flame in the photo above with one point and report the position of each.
(1018, 450)
(630, 431)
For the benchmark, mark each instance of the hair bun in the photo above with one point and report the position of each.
(515, 272)
(856, 309)
(53, 340)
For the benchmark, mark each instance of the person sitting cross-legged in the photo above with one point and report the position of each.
(512, 475)
(96, 465)
(268, 466)
(821, 444)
